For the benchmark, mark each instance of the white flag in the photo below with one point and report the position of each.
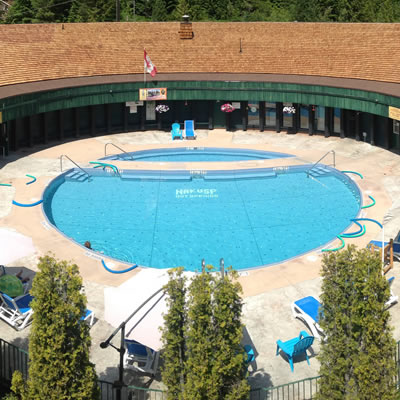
(148, 65)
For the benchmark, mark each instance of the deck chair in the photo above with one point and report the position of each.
(295, 347)
(189, 129)
(88, 317)
(391, 251)
(307, 309)
(140, 358)
(392, 299)
(176, 131)
(16, 312)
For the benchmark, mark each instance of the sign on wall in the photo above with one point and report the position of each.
(153, 94)
(394, 113)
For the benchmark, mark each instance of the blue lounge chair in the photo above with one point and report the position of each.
(307, 309)
(189, 129)
(140, 358)
(295, 347)
(17, 311)
(88, 317)
(176, 131)
(392, 299)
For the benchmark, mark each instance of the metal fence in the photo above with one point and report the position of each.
(12, 358)
(303, 389)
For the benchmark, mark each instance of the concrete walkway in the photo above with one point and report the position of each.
(268, 292)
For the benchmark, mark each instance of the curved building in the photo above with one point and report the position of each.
(62, 81)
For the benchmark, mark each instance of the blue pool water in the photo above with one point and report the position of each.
(195, 154)
(173, 219)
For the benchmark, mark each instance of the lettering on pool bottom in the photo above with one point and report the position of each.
(196, 193)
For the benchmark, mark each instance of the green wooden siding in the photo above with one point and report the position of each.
(35, 103)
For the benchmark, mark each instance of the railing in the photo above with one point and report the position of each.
(303, 389)
(12, 358)
(119, 148)
(73, 162)
(138, 393)
(315, 164)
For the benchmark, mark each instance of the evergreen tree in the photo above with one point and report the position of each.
(159, 12)
(200, 340)
(59, 343)
(388, 11)
(307, 11)
(174, 356)
(357, 357)
(182, 8)
(92, 11)
(20, 12)
(228, 371)
(50, 10)
(203, 358)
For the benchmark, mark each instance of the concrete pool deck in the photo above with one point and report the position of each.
(268, 292)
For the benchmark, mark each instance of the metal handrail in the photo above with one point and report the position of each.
(73, 162)
(315, 164)
(119, 148)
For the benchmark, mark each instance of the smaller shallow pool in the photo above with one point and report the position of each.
(196, 154)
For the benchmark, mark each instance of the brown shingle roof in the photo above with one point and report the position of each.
(50, 51)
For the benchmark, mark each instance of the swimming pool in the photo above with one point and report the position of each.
(165, 219)
(195, 154)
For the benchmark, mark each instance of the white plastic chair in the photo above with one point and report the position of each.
(392, 299)
(140, 358)
(16, 312)
(307, 309)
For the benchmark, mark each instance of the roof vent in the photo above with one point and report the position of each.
(186, 31)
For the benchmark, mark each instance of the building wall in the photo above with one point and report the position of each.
(53, 126)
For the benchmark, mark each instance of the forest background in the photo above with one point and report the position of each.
(48, 11)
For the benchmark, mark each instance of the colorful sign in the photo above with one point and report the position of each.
(153, 94)
(394, 113)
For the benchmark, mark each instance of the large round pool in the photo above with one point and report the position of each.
(165, 219)
(196, 154)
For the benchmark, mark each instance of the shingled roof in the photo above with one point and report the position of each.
(39, 52)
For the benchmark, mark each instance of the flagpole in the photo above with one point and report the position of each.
(144, 66)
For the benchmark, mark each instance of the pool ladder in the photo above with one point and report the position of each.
(73, 162)
(315, 164)
(221, 266)
(119, 148)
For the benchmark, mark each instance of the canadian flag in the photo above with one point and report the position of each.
(148, 65)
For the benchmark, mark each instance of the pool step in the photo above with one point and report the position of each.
(76, 176)
(211, 175)
(319, 171)
(140, 175)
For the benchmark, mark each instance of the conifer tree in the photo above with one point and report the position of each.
(357, 357)
(174, 355)
(20, 12)
(199, 339)
(228, 371)
(159, 12)
(92, 11)
(59, 343)
(203, 358)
